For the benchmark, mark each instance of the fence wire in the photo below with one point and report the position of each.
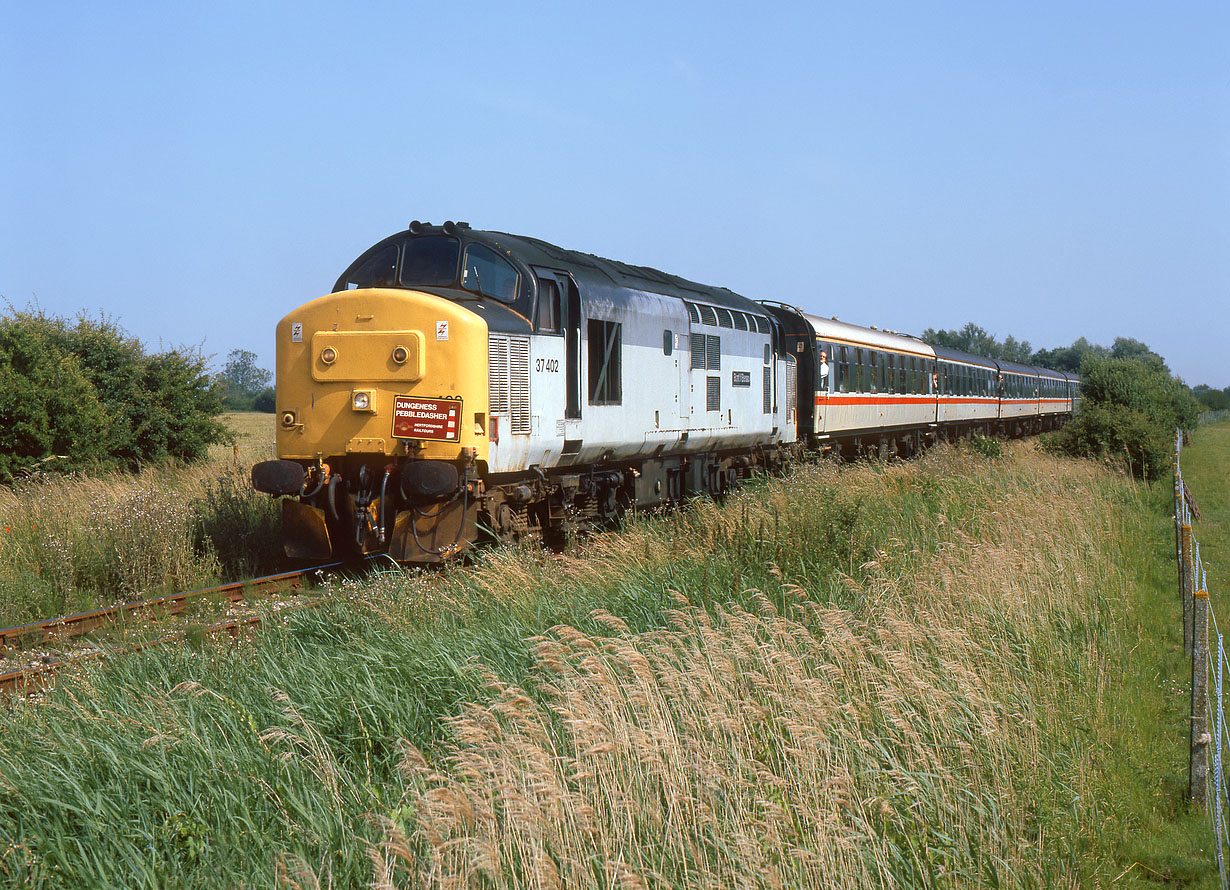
(1208, 719)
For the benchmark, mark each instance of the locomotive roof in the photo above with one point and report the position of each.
(590, 271)
(600, 270)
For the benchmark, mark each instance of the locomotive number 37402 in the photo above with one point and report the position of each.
(550, 365)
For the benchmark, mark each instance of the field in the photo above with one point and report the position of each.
(73, 543)
(956, 672)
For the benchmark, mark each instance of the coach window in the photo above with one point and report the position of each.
(547, 318)
(901, 374)
(843, 369)
(882, 372)
(605, 385)
(890, 381)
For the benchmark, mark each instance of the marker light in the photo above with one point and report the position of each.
(328, 355)
(400, 354)
(362, 400)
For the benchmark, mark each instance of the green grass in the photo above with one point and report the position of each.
(1206, 468)
(957, 672)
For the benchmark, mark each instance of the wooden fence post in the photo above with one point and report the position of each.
(1198, 766)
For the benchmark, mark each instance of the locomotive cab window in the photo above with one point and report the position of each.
(487, 273)
(547, 317)
(376, 271)
(430, 260)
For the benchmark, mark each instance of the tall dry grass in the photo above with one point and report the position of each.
(75, 542)
(903, 742)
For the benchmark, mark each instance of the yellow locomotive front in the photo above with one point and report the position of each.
(381, 425)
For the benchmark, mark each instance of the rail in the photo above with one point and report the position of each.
(54, 630)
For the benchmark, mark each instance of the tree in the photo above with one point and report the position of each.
(1212, 399)
(976, 340)
(241, 381)
(1067, 358)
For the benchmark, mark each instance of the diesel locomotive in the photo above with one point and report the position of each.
(458, 385)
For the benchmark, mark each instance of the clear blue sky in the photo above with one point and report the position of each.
(1048, 170)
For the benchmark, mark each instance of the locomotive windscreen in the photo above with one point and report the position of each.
(430, 260)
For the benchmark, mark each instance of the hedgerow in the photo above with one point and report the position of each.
(1131, 407)
(83, 394)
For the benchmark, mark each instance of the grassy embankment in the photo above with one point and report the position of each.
(76, 543)
(955, 672)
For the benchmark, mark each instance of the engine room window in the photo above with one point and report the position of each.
(605, 387)
(430, 260)
(488, 273)
(668, 342)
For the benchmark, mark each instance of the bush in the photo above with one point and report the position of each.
(986, 446)
(1131, 409)
(50, 414)
(84, 394)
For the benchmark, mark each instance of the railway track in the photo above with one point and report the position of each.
(32, 663)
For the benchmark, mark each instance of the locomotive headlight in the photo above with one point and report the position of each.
(400, 354)
(288, 418)
(361, 400)
(328, 355)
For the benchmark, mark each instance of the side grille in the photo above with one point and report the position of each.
(698, 352)
(519, 384)
(713, 350)
(497, 362)
(768, 390)
(508, 361)
(713, 394)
